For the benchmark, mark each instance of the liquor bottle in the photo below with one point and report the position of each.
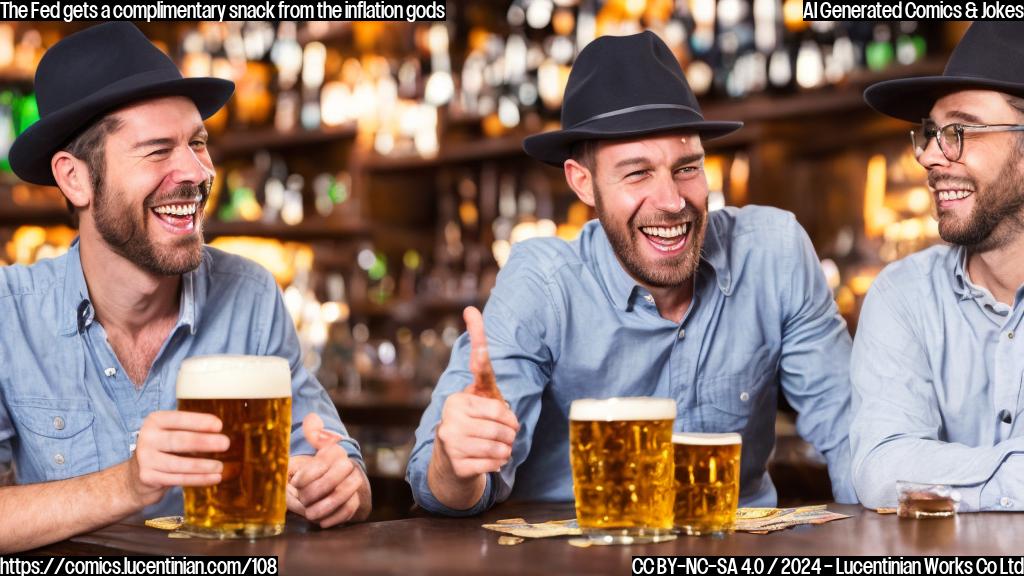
(880, 53)
(314, 59)
(292, 211)
(910, 44)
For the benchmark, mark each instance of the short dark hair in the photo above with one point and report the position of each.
(585, 152)
(1017, 103)
(89, 146)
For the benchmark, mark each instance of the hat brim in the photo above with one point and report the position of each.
(555, 147)
(912, 99)
(31, 152)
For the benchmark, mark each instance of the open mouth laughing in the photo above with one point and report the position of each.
(178, 217)
(668, 239)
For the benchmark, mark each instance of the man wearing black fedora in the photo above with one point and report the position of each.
(91, 341)
(938, 362)
(719, 311)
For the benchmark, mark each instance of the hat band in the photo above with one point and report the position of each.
(639, 108)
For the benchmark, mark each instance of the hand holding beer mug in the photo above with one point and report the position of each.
(707, 482)
(251, 395)
(621, 451)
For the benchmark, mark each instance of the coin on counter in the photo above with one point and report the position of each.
(166, 522)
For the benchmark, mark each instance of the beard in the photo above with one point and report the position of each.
(126, 231)
(997, 215)
(669, 271)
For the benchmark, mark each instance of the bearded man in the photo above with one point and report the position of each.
(91, 342)
(936, 369)
(718, 311)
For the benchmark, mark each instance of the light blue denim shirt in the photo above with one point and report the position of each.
(937, 376)
(566, 321)
(68, 407)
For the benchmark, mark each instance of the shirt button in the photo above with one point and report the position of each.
(1005, 502)
(649, 298)
(58, 459)
(58, 423)
(744, 396)
(110, 372)
(1005, 416)
(682, 333)
(1010, 334)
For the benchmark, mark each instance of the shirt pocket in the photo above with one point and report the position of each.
(57, 435)
(727, 401)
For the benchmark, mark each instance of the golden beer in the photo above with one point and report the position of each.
(707, 481)
(621, 452)
(252, 397)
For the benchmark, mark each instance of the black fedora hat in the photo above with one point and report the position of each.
(990, 56)
(91, 73)
(620, 87)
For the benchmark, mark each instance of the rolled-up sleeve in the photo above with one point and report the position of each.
(814, 365)
(897, 428)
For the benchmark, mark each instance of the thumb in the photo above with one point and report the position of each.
(315, 433)
(484, 383)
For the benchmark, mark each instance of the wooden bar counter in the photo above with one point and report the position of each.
(428, 545)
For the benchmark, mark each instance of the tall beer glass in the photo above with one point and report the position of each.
(707, 482)
(621, 451)
(252, 397)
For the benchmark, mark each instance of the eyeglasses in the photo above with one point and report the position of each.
(951, 136)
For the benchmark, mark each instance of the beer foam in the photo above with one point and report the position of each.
(234, 377)
(706, 439)
(614, 409)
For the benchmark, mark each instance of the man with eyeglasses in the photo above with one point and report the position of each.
(937, 369)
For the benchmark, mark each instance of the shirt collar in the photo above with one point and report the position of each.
(76, 307)
(189, 306)
(961, 285)
(622, 287)
(715, 253)
(78, 311)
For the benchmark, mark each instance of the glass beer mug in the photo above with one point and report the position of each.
(252, 397)
(707, 482)
(621, 451)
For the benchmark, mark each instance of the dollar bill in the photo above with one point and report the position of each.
(773, 519)
(525, 529)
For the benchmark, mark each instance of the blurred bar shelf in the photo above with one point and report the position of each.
(454, 153)
(241, 142)
(420, 307)
(380, 409)
(842, 98)
(21, 216)
(307, 231)
(13, 76)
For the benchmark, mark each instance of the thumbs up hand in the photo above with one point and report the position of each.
(327, 488)
(477, 428)
(484, 383)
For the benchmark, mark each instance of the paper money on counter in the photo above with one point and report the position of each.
(765, 520)
(525, 529)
